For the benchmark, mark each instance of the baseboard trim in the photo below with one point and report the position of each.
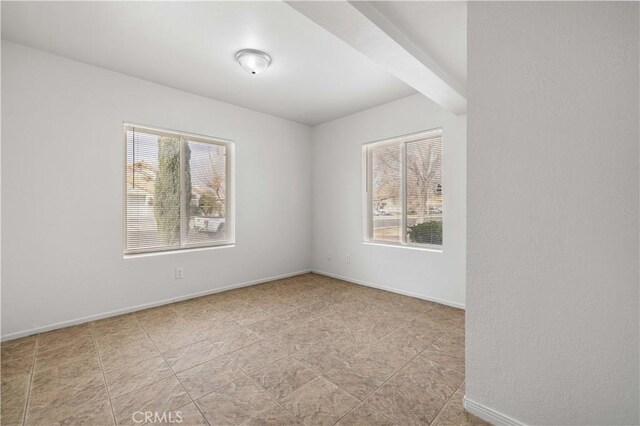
(391, 289)
(82, 320)
(489, 414)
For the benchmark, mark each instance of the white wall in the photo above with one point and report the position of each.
(552, 279)
(337, 203)
(62, 194)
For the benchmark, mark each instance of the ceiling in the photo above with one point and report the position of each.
(319, 72)
(314, 77)
(404, 38)
(439, 28)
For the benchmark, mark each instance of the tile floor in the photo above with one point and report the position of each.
(303, 350)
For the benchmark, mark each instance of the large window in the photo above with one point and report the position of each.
(403, 190)
(178, 190)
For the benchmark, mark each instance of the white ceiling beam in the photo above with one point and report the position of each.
(363, 27)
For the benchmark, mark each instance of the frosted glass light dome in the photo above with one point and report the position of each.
(253, 61)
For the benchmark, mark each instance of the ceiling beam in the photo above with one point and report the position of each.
(363, 27)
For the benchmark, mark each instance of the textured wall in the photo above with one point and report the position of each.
(552, 275)
(62, 194)
(338, 193)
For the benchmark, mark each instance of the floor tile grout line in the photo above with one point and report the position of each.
(231, 382)
(179, 316)
(328, 298)
(377, 340)
(248, 373)
(33, 373)
(208, 360)
(363, 400)
(408, 362)
(196, 365)
(199, 410)
(193, 401)
(255, 382)
(170, 369)
(104, 377)
(361, 403)
(194, 404)
(436, 341)
(209, 392)
(319, 374)
(401, 367)
(464, 376)
(270, 317)
(161, 379)
(240, 368)
(435, 419)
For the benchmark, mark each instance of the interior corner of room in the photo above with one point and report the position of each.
(409, 212)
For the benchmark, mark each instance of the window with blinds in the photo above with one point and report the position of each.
(403, 190)
(177, 190)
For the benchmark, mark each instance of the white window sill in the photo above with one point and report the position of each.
(432, 249)
(178, 251)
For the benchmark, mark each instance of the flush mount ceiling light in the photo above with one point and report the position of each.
(253, 61)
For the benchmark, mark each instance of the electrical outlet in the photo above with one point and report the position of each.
(179, 273)
(329, 256)
(348, 259)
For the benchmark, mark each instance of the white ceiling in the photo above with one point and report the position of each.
(394, 36)
(439, 28)
(314, 77)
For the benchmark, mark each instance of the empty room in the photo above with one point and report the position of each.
(320, 213)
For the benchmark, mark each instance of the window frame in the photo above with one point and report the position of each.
(367, 176)
(229, 145)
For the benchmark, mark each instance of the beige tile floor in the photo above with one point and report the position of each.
(302, 350)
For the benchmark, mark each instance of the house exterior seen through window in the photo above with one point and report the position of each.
(403, 190)
(178, 190)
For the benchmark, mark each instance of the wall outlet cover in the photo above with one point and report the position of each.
(179, 273)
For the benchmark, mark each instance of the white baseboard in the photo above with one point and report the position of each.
(116, 312)
(489, 414)
(391, 289)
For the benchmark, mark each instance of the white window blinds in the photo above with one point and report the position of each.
(403, 190)
(177, 190)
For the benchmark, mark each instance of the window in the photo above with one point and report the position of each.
(403, 190)
(178, 190)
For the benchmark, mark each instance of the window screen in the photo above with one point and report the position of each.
(403, 190)
(177, 190)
